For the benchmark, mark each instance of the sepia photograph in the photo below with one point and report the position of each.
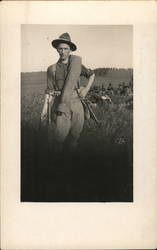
(76, 113)
(78, 125)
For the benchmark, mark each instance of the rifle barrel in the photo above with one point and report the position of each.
(87, 104)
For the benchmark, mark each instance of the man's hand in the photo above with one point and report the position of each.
(83, 91)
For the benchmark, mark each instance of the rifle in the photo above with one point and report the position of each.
(48, 112)
(87, 104)
(49, 104)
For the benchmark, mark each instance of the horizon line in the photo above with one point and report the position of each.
(93, 69)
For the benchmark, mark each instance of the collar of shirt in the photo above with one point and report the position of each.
(60, 63)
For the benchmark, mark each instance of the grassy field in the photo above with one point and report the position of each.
(102, 170)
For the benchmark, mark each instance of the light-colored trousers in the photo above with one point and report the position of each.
(68, 127)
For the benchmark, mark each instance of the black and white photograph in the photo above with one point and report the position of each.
(76, 113)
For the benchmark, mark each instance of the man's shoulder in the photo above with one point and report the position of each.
(75, 56)
(51, 68)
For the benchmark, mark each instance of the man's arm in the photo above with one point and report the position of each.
(50, 78)
(48, 97)
(84, 90)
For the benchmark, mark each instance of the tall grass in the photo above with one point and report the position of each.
(108, 174)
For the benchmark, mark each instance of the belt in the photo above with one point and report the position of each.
(58, 93)
(55, 92)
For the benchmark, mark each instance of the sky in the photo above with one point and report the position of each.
(99, 45)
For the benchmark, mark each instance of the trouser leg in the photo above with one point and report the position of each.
(63, 125)
(77, 122)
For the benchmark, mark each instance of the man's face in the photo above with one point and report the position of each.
(63, 50)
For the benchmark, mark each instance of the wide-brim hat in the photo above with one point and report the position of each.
(64, 38)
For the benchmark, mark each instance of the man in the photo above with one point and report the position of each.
(110, 89)
(63, 84)
(120, 89)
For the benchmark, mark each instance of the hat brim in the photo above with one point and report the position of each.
(56, 42)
